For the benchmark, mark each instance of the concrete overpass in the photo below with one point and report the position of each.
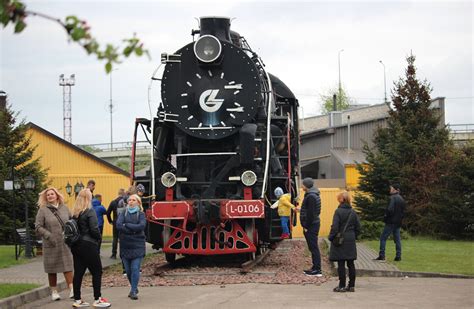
(121, 151)
(461, 133)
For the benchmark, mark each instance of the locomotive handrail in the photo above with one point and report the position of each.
(204, 154)
(269, 116)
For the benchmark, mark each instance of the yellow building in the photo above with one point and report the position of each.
(328, 206)
(68, 164)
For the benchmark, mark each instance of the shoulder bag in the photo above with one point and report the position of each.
(339, 238)
(55, 213)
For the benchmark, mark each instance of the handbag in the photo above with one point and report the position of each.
(339, 238)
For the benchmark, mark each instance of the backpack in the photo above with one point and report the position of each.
(121, 206)
(71, 232)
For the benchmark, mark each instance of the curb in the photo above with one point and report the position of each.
(18, 300)
(398, 274)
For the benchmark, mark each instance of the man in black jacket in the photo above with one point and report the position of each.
(112, 217)
(309, 217)
(393, 221)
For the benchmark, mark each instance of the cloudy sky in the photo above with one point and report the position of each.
(299, 41)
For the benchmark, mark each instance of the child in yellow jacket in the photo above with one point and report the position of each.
(284, 211)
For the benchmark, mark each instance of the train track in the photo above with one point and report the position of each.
(165, 269)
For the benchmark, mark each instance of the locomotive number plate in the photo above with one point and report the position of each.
(244, 209)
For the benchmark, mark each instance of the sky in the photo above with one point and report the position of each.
(299, 41)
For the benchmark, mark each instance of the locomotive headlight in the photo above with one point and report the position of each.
(207, 48)
(168, 179)
(248, 178)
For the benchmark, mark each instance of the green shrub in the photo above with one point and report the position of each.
(371, 230)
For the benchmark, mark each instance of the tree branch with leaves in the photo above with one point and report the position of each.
(14, 12)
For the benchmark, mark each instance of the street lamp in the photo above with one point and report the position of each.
(28, 183)
(339, 64)
(68, 189)
(384, 82)
(78, 187)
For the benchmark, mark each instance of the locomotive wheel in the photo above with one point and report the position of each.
(170, 257)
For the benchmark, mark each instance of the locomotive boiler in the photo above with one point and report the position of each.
(224, 137)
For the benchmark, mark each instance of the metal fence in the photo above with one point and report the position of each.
(461, 128)
(118, 146)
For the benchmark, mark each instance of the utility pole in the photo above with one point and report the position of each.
(67, 83)
(384, 83)
(111, 110)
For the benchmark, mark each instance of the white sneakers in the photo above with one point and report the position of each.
(55, 295)
(71, 293)
(101, 303)
(80, 304)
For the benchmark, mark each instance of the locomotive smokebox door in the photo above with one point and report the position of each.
(211, 100)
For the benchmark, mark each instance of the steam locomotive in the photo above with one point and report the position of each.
(224, 137)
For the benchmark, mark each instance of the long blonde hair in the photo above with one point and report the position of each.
(138, 199)
(83, 201)
(42, 201)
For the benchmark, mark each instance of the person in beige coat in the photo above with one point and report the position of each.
(57, 257)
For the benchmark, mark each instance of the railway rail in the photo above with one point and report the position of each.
(246, 267)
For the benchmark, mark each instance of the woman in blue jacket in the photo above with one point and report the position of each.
(131, 226)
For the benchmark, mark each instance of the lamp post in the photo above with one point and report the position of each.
(339, 65)
(28, 183)
(384, 82)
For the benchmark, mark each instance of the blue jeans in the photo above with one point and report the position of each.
(284, 224)
(132, 268)
(391, 229)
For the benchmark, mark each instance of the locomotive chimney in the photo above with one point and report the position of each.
(216, 26)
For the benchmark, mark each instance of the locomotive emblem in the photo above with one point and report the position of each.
(208, 101)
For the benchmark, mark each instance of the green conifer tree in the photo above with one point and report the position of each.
(16, 153)
(455, 199)
(410, 150)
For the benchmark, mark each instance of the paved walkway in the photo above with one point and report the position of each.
(370, 293)
(365, 260)
(33, 272)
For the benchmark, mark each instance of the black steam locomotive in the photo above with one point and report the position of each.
(225, 136)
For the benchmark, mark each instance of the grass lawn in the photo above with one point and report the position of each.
(430, 255)
(9, 289)
(7, 257)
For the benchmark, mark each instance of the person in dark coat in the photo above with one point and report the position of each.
(393, 222)
(131, 226)
(347, 252)
(309, 218)
(112, 217)
(86, 251)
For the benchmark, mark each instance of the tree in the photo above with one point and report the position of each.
(342, 101)
(16, 153)
(455, 200)
(412, 150)
(15, 12)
